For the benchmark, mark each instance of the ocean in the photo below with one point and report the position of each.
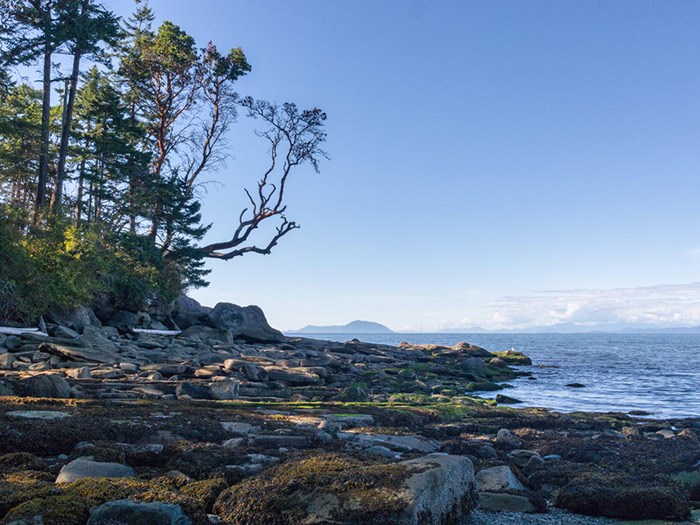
(656, 373)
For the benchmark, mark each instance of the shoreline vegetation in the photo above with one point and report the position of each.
(232, 422)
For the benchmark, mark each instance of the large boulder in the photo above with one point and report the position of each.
(127, 512)
(126, 321)
(497, 479)
(335, 488)
(84, 468)
(76, 319)
(46, 385)
(187, 312)
(244, 322)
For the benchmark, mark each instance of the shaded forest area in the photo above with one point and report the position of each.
(101, 165)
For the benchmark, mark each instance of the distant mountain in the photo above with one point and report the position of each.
(573, 328)
(354, 327)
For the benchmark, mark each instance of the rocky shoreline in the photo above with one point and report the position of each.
(228, 421)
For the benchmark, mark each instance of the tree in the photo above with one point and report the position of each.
(85, 25)
(295, 138)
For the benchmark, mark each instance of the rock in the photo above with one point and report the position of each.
(64, 332)
(576, 385)
(381, 451)
(37, 414)
(552, 457)
(666, 433)
(504, 437)
(348, 420)
(83, 468)
(333, 488)
(187, 312)
(323, 437)
(127, 512)
(79, 373)
(76, 319)
(238, 428)
(631, 432)
(166, 369)
(13, 343)
(9, 387)
(506, 400)
(107, 373)
(254, 372)
(6, 361)
(623, 499)
(497, 502)
(232, 443)
(405, 443)
(246, 323)
(193, 391)
(46, 385)
(292, 376)
(124, 321)
(497, 479)
(279, 440)
(225, 389)
(523, 457)
(473, 364)
(354, 393)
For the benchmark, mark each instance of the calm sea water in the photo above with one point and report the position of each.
(657, 373)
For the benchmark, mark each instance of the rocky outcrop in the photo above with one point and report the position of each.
(331, 488)
(244, 322)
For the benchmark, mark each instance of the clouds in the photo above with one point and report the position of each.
(661, 305)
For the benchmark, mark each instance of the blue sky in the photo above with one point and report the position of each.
(481, 153)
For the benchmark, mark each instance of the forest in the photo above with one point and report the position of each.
(108, 129)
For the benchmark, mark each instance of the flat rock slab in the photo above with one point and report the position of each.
(404, 443)
(83, 468)
(238, 428)
(37, 414)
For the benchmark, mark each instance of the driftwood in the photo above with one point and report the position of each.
(8, 330)
(156, 332)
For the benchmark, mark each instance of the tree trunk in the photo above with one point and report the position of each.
(45, 120)
(65, 132)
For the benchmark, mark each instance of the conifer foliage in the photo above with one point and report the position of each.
(101, 165)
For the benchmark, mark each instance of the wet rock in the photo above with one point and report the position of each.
(83, 468)
(246, 323)
(497, 479)
(46, 385)
(499, 502)
(506, 400)
(128, 512)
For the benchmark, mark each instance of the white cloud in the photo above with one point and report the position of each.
(662, 305)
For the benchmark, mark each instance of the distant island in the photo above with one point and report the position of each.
(353, 327)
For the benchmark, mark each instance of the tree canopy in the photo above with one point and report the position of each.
(104, 176)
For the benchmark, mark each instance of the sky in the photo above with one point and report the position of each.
(503, 164)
